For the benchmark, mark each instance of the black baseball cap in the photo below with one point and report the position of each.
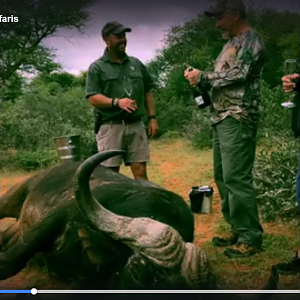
(114, 28)
(222, 5)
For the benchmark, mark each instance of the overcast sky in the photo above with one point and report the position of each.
(149, 20)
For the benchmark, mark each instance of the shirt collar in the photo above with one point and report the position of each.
(106, 56)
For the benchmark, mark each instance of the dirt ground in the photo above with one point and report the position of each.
(174, 173)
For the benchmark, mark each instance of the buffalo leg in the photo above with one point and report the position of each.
(9, 236)
(12, 201)
(31, 242)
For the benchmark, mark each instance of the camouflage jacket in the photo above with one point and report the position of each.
(236, 79)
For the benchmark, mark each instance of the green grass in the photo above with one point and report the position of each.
(250, 273)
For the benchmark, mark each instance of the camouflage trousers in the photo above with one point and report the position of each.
(234, 147)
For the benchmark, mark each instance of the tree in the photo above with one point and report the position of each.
(281, 34)
(64, 80)
(13, 88)
(198, 43)
(81, 78)
(20, 43)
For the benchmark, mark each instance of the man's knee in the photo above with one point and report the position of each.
(139, 170)
(240, 180)
(237, 166)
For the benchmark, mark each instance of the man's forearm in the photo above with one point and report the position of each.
(149, 103)
(100, 100)
(227, 77)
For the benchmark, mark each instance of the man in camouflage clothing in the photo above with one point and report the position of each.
(235, 88)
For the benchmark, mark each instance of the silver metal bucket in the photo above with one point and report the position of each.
(201, 199)
(206, 207)
(68, 148)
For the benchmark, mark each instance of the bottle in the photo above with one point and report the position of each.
(200, 94)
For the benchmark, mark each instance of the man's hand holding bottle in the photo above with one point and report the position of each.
(200, 93)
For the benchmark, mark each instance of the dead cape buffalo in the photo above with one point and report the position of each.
(93, 225)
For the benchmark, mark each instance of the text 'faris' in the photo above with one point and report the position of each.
(9, 19)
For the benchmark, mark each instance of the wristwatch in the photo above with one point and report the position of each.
(115, 102)
(151, 117)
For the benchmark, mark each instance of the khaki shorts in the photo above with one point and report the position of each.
(131, 138)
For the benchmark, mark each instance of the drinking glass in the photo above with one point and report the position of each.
(290, 67)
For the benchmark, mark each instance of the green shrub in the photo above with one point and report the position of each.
(170, 135)
(43, 113)
(275, 176)
(275, 120)
(199, 129)
(29, 160)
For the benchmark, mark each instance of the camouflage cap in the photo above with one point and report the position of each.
(222, 5)
(114, 28)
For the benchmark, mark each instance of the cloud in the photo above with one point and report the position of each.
(149, 21)
(76, 55)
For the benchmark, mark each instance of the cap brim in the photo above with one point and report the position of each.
(213, 11)
(121, 30)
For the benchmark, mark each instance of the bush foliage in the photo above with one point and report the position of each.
(275, 176)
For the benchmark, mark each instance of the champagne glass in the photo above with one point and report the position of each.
(127, 86)
(290, 67)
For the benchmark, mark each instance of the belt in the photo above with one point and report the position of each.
(124, 122)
